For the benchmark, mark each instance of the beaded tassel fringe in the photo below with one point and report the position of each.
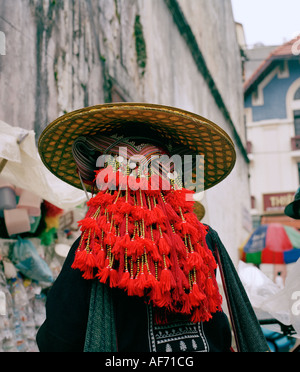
(150, 244)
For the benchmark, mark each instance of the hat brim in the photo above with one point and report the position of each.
(193, 133)
(292, 210)
(199, 210)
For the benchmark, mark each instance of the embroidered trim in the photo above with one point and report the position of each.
(177, 336)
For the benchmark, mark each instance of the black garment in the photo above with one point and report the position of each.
(248, 333)
(67, 313)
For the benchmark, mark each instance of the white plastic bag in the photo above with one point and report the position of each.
(292, 291)
(29, 263)
(281, 304)
(26, 170)
(258, 286)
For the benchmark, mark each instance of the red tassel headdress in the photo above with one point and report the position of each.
(140, 235)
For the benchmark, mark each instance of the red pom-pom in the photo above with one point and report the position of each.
(165, 280)
(151, 281)
(124, 280)
(131, 287)
(194, 260)
(89, 274)
(186, 304)
(196, 297)
(113, 278)
(110, 239)
(141, 281)
(80, 260)
(100, 258)
(125, 241)
(90, 261)
(104, 274)
(126, 208)
(164, 247)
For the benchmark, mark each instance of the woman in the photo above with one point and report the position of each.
(142, 275)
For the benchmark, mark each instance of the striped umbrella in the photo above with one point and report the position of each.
(272, 244)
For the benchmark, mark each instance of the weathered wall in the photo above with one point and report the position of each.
(215, 33)
(52, 64)
(65, 54)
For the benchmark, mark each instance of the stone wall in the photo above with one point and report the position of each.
(62, 55)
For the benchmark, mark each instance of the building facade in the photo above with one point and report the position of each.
(65, 54)
(272, 112)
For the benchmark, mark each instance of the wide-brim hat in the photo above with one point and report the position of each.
(185, 132)
(293, 209)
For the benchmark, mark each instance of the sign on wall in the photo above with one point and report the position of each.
(276, 203)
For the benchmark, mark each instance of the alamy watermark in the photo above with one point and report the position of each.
(296, 303)
(2, 44)
(185, 171)
(296, 44)
(296, 48)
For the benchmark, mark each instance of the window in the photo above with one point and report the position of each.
(297, 95)
(297, 122)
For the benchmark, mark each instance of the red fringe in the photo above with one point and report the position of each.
(150, 245)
